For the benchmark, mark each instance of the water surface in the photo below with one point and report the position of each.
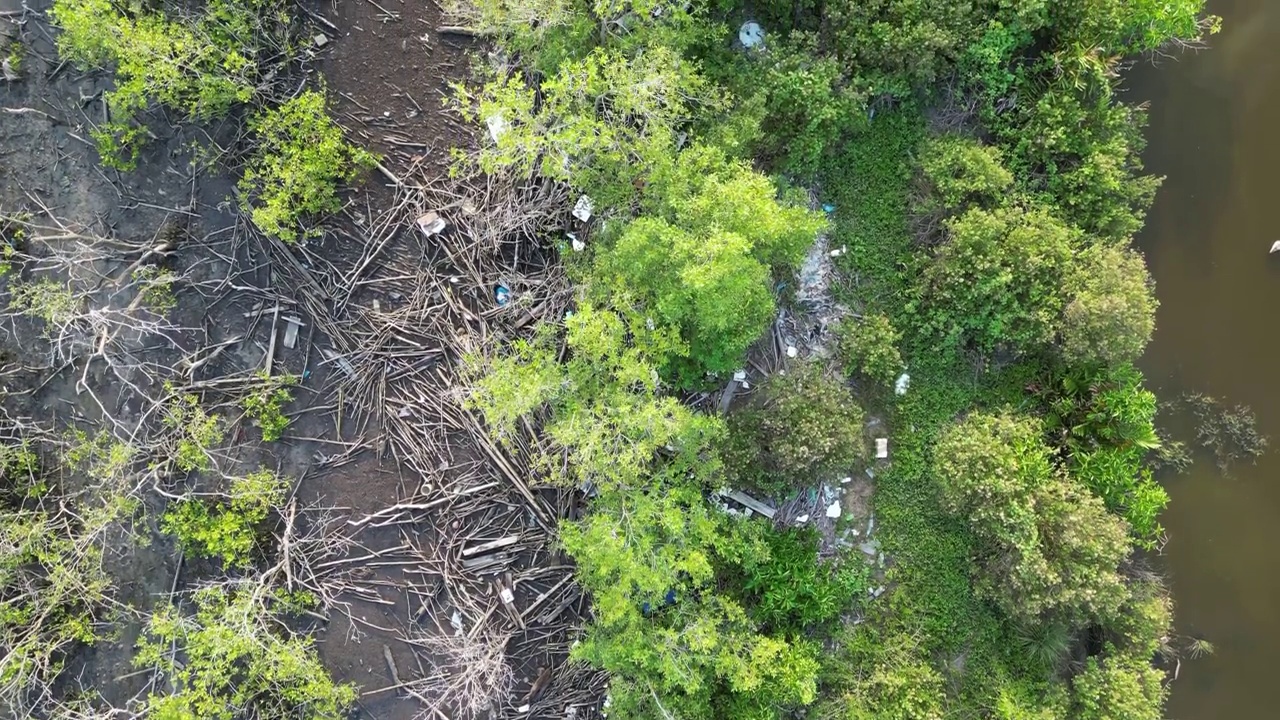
(1215, 134)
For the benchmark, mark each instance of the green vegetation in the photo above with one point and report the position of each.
(986, 180)
(196, 432)
(237, 661)
(227, 529)
(265, 405)
(299, 160)
(198, 66)
(45, 299)
(805, 429)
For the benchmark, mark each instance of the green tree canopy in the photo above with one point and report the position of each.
(1051, 547)
(1111, 314)
(997, 279)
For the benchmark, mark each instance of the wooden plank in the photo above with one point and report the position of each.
(744, 499)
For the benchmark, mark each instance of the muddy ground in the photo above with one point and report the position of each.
(386, 69)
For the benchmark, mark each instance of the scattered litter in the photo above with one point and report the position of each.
(833, 510)
(791, 351)
(901, 384)
(882, 448)
(431, 224)
(802, 519)
(501, 295)
(291, 331)
(582, 209)
(320, 40)
(740, 375)
(497, 126)
(750, 34)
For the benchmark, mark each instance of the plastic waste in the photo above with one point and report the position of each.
(900, 386)
(583, 208)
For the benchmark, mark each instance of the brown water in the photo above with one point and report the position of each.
(1215, 132)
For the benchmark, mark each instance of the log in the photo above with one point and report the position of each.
(490, 546)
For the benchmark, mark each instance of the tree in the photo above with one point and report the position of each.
(997, 279)
(806, 430)
(236, 661)
(960, 170)
(1111, 314)
(1050, 547)
(297, 166)
(869, 347)
(1118, 686)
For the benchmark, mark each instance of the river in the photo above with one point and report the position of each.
(1215, 134)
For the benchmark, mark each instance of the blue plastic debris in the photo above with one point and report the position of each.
(502, 295)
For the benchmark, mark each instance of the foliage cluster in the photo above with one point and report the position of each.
(265, 405)
(654, 552)
(195, 430)
(994, 244)
(234, 659)
(869, 347)
(299, 160)
(227, 529)
(805, 430)
(199, 66)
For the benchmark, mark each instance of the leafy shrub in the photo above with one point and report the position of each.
(1051, 547)
(1117, 477)
(997, 280)
(197, 432)
(1118, 686)
(883, 675)
(869, 346)
(265, 405)
(298, 163)
(791, 589)
(45, 299)
(237, 662)
(226, 530)
(961, 170)
(808, 104)
(701, 262)
(807, 429)
(200, 66)
(600, 123)
(1111, 314)
(1101, 407)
